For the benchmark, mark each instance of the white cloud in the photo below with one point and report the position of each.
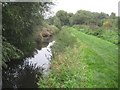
(106, 6)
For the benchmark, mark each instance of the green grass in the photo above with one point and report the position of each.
(82, 60)
(109, 34)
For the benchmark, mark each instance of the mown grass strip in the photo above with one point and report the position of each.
(82, 61)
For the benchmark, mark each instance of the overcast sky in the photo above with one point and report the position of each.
(106, 6)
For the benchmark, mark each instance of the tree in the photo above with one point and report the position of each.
(19, 21)
(63, 17)
(81, 17)
(112, 15)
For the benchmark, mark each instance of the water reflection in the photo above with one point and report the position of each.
(42, 58)
(23, 76)
(25, 73)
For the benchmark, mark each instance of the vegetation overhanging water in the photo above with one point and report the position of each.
(23, 75)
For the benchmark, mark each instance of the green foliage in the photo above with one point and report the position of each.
(9, 51)
(53, 29)
(50, 20)
(63, 17)
(57, 22)
(110, 23)
(63, 40)
(89, 63)
(81, 17)
(19, 20)
(109, 34)
(80, 59)
(113, 15)
(60, 19)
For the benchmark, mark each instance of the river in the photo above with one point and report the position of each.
(26, 73)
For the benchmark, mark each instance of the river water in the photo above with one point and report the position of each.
(26, 74)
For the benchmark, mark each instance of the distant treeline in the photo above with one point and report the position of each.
(83, 17)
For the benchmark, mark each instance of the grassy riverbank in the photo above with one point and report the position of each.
(82, 60)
